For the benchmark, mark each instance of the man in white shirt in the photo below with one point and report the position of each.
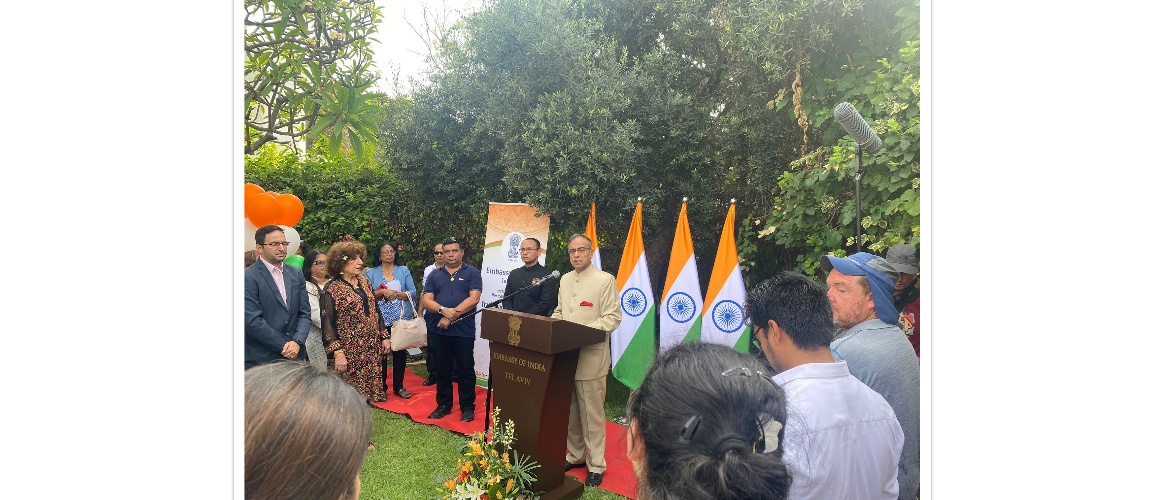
(842, 439)
(439, 262)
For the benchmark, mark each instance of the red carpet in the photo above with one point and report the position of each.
(619, 474)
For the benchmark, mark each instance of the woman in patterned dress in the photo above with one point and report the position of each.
(355, 335)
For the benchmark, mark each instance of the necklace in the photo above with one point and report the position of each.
(454, 273)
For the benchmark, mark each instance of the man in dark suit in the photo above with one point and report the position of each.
(538, 300)
(276, 303)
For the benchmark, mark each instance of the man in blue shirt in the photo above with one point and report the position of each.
(861, 293)
(450, 292)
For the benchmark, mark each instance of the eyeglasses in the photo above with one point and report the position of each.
(318, 262)
(754, 347)
(574, 251)
(438, 252)
(522, 249)
(277, 244)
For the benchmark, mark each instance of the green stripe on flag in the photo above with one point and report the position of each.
(631, 368)
(744, 342)
(695, 333)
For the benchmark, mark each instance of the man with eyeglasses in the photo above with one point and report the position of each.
(842, 439)
(450, 292)
(430, 333)
(861, 292)
(538, 300)
(277, 314)
(588, 296)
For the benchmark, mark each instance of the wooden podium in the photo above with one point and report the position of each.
(533, 362)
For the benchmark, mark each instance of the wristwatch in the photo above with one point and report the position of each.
(440, 309)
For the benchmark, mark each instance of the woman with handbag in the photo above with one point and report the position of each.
(393, 286)
(355, 334)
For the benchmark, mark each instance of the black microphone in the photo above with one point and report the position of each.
(858, 129)
(553, 276)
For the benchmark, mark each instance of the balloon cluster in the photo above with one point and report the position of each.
(266, 207)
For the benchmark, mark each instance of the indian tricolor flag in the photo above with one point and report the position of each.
(591, 233)
(723, 314)
(682, 298)
(632, 344)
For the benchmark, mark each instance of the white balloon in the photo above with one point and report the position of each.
(293, 237)
(249, 235)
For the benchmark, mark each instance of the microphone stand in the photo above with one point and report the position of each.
(857, 199)
(498, 302)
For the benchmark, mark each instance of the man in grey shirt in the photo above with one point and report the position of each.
(861, 288)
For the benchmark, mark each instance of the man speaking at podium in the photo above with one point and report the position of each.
(538, 300)
(588, 296)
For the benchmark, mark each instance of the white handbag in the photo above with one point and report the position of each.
(408, 333)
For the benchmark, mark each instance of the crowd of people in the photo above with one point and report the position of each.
(829, 408)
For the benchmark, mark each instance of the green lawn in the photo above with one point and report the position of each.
(413, 459)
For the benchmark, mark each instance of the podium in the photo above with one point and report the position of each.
(533, 363)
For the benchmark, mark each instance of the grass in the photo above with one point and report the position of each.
(412, 459)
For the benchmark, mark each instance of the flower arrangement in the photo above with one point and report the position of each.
(490, 469)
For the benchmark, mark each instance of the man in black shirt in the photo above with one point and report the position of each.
(540, 300)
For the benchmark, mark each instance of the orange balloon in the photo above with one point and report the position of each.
(251, 189)
(291, 209)
(262, 209)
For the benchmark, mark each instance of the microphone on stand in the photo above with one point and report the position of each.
(538, 282)
(867, 141)
(857, 127)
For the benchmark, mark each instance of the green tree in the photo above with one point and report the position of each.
(307, 72)
(559, 103)
(814, 212)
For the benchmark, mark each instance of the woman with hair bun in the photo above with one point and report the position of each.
(707, 423)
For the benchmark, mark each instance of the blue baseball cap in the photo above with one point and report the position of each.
(880, 274)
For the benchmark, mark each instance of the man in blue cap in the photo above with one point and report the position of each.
(861, 293)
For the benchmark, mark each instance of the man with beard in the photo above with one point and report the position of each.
(277, 315)
(861, 293)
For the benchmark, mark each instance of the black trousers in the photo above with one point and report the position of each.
(399, 360)
(458, 351)
(432, 344)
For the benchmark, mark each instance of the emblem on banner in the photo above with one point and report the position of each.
(511, 246)
(514, 330)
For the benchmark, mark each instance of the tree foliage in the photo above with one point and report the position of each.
(560, 103)
(814, 210)
(307, 72)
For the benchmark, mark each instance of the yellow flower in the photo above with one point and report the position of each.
(483, 462)
(511, 483)
(450, 484)
(494, 480)
(467, 466)
(475, 448)
(505, 458)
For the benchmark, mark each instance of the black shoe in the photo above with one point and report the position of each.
(468, 415)
(593, 479)
(570, 465)
(429, 381)
(440, 412)
(403, 393)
